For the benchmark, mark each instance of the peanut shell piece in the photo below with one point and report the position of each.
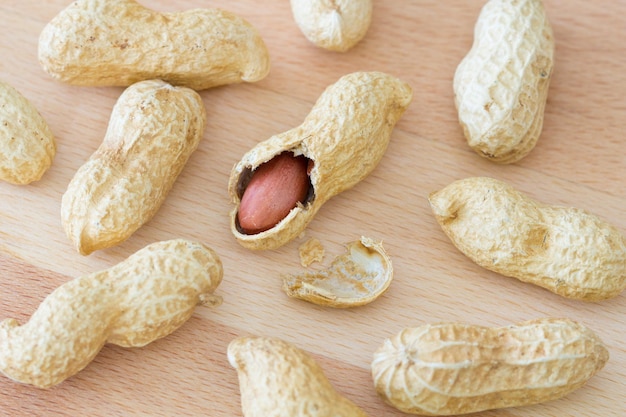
(568, 251)
(27, 145)
(455, 368)
(354, 279)
(153, 130)
(120, 42)
(501, 86)
(278, 379)
(141, 299)
(345, 136)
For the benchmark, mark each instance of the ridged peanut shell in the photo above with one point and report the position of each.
(143, 298)
(569, 251)
(501, 85)
(356, 278)
(121, 42)
(153, 130)
(277, 379)
(336, 25)
(455, 368)
(345, 136)
(26, 142)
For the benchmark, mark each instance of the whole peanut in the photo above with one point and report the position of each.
(146, 297)
(153, 130)
(278, 379)
(120, 42)
(343, 138)
(336, 25)
(26, 142)
(501, 86)
(454, 368)
(568, 251)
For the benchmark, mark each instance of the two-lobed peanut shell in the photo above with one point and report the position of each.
(344, 136)
(153, 130)
(120, 42)
(501, 85)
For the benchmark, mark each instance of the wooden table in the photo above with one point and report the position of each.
(579, 161)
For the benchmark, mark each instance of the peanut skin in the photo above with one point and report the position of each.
(146, 297)
(336, 25)
(27, 145)
(153, 130)
(278, 379)
(120, 42)
(569, 251)
(454, 368)
(501, 86)
(344, 137)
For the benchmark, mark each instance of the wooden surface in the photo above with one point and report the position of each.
(579, 161)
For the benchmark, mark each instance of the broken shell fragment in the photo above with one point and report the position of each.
(355, 278)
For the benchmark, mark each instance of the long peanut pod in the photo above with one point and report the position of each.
(454, 368)
(143, 298)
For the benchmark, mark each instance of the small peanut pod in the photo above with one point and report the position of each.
(501, 86)
(26, 142)
(278, 379)
(120, 42)
(336, 25)
(343, 138)
(569, 251)
(143, 298)
(453, 368)
(153, 130)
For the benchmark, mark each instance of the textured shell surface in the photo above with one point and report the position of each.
(569, 251)
(143, 298)
(501, 85)
(458, 368)
(344, 136)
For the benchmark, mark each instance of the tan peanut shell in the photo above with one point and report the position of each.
(27, 146)
(336, 25)
(569, 251)
(356, 278)
(143, 298)
(501, 86)
(277, 379)
(454, 368)
(153, 130)
(120, 42)
(345, 136)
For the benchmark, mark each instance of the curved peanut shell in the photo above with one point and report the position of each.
(26, 142)
(278, 379)
(345, 135)
(501, 86)
(120, 42)
(567, 250)
(143, 298)
(454, 368)
(153, 130)
(336, 25)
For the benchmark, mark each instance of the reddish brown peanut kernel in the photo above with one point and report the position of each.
(275, 188)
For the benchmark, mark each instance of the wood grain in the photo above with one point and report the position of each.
(579, 161)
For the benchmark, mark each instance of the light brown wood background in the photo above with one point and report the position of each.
(579, 161)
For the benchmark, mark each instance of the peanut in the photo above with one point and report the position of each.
(28, 145)
(501, 86)
(343, 137)
(336, 25)
(153, 130)
(143, 298)
(455, 368)
(120, 42)
(569, 251)
(278, 379)
(275, 188)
